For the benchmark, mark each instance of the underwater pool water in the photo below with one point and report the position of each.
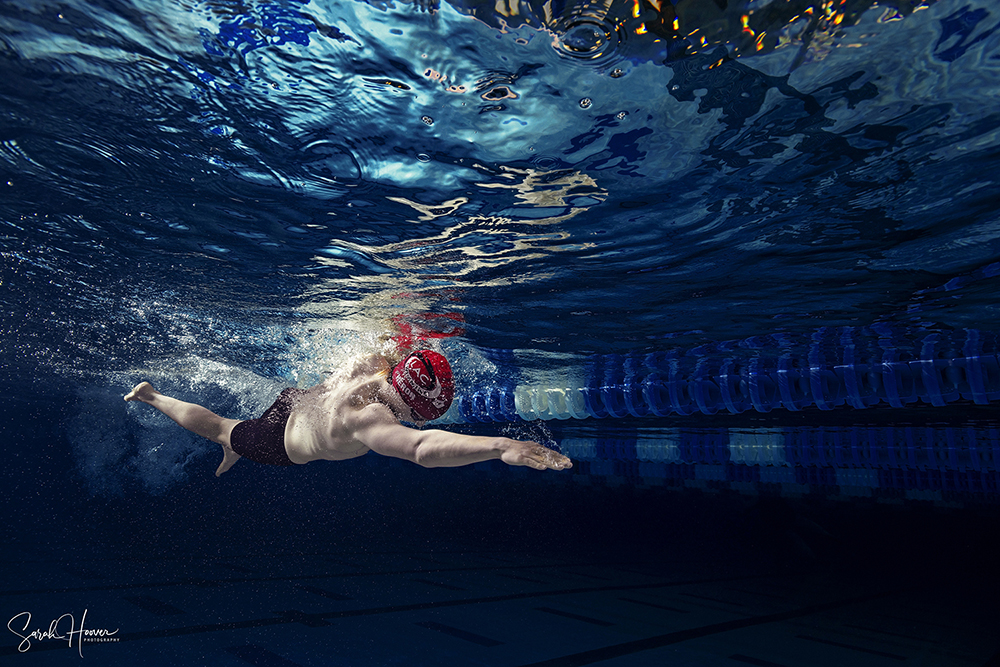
(738, 259)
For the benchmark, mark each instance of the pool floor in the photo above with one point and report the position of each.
(456, 606)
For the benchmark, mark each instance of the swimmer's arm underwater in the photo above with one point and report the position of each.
(379, 431)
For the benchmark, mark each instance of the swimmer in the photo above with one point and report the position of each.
(351, 413)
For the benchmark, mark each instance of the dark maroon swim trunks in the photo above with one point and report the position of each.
(263, 439)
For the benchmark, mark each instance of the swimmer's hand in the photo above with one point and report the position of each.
(533, 455)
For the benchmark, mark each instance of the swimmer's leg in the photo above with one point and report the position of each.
(194, 418)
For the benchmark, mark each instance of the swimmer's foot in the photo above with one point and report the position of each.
(229, 457)
(141, 392)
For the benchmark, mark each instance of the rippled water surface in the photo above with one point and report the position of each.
(221, 178)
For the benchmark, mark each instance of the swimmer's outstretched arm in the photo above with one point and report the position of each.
(381, 433)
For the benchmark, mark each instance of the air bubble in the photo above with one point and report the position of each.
(585, 103)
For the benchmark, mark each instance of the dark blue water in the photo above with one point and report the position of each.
(227, 198)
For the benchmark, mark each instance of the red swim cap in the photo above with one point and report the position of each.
(424, 381)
